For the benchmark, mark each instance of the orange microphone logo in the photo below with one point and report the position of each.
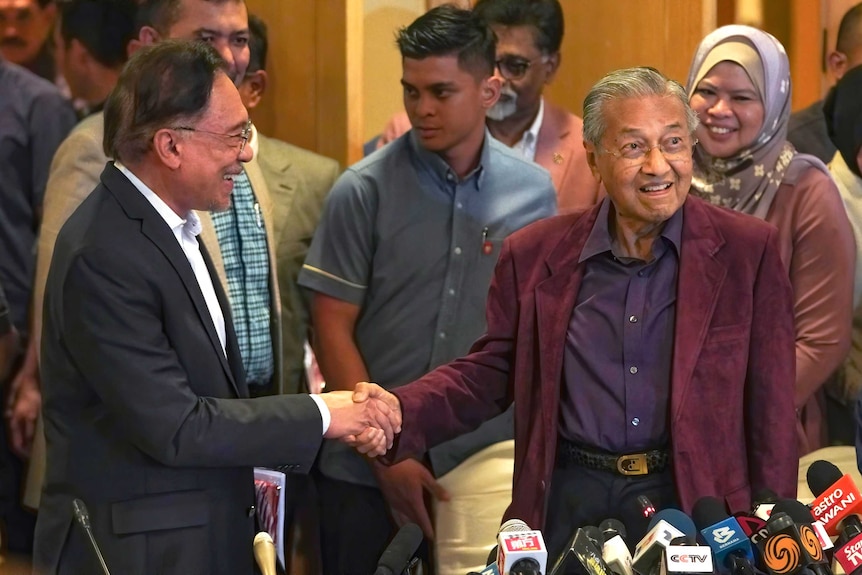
(810, 543)
(781, 554)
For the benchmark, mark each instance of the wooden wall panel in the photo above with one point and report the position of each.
(603, 36)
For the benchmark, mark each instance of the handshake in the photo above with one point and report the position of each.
(366, 418)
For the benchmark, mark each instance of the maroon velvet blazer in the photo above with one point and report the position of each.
(732, 420)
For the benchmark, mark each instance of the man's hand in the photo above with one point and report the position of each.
(403, 486)
(367, 418)
(23, 403)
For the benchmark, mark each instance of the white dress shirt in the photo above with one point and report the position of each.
(526, 146)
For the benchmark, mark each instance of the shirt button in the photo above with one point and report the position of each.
(635, 421)
(457, 251)
(633, 319)
(451, 292)
(450, 177)
(633, 369)
(442, 335)
(459, 205)
(641, 273)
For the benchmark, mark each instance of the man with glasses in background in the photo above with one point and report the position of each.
(647, 343)
(529, 35)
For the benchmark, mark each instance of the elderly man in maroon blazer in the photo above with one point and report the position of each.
(647, 343)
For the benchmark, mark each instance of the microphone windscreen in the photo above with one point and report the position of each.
(764, 495)
(821, 476)
(405, 543)
(513, 525)
(798, 511)
(612, 527)
(708, 511)
(676, 518)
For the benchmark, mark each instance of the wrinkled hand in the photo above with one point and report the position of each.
(403, 486)
(367, 418)
(397, 126)
(22, 411)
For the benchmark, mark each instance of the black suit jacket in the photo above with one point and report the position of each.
(146, 420)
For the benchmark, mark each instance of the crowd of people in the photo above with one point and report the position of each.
(655, 299)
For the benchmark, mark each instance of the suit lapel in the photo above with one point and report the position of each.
(701, 277)
(550, 153)
(234, 360)
(555, 301)
(155, 229)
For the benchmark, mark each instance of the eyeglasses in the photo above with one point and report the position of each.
(515, 67)
(242, 137)
(673, 149)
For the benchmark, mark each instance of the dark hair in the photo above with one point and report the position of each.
(546, 16)
(103, 27)
(258, 45)
(162, 85)
(850, 30)
(448, 30)
(162, 14)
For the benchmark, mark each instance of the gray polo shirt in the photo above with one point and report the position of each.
(415, 247)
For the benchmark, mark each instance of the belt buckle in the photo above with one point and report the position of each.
(632, 464)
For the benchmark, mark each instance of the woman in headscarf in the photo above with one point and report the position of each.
(843, 110)
(739, 85)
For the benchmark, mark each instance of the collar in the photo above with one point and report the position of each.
(191, 224)
(438, 166)
(600, 241)
(532, 134)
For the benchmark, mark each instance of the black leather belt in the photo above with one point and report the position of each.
(627, 464)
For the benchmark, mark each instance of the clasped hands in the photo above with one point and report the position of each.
(366, 418)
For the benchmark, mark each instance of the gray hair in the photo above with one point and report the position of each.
(641, 82)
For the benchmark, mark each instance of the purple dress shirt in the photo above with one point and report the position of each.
(619, 344)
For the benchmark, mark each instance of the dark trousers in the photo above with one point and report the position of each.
(355, 527)
(581, 496)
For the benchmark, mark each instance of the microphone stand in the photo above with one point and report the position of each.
(83, 518)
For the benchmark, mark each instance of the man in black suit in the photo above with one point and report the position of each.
(147, 416)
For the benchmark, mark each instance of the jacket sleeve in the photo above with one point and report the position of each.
(770, 421)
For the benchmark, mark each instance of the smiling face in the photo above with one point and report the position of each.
(446, 104)
(210, 156)
(648, 191)
(729, 108)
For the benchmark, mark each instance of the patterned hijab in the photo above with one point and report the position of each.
(747, 182)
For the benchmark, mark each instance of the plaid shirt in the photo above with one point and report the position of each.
(242, 240)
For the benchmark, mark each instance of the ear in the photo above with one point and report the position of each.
(491, 87)
(592, 157)
(147, 36)
(168, 148)
(252, 88)
(837, 63)
(551, 67)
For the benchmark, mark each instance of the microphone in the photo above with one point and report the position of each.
(724, 535)
(849, 554)
(836, 496)
(615, 552)
(801, 515)
(764, 500)
(791, 548)
(400, 550)
(521, 552)
(665, 526)
(264, 553)
(83, 518)
(687, 558)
